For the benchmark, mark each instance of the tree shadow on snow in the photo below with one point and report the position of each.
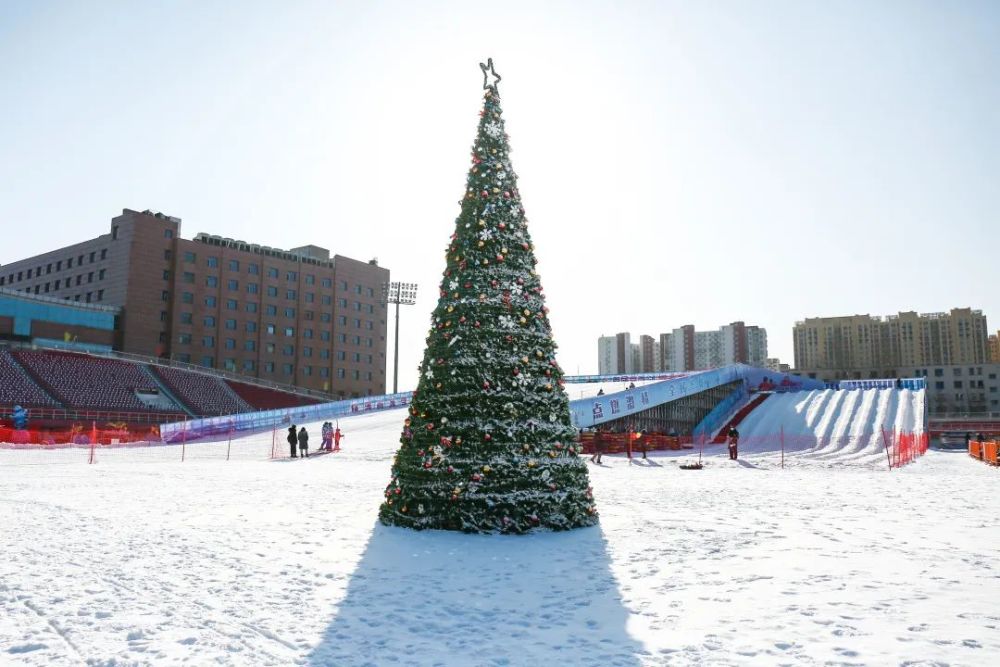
(443, 598)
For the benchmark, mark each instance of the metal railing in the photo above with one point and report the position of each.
(100, 416)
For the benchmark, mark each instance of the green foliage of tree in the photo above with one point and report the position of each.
(488, 445)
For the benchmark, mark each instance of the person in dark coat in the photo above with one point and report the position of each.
(303, 443)
(734, 440)
(293, 440)
(599, 447)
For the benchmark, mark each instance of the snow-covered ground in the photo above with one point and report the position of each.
(144, 559)
(831, 428)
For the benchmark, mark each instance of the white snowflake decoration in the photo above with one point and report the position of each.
(493, 129)
(486, 234)
(516, 289)
(453, 285)
(506, 321)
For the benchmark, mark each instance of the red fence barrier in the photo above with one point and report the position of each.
(616, 443)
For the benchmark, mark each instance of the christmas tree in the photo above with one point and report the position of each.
(488, 445)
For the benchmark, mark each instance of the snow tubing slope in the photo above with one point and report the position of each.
(838, 427)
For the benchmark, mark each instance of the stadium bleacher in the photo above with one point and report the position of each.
(85, 382)
(17, 388)
(206, 395)
(262, 398)
(68, 382)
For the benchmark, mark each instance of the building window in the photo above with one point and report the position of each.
(288, 350)
(251, 327)
(184, 339)
(230, 343)
(270, 329)
(186, 318)
(208, 361)
(341, 319)
(209, 321)
(307, 352)
(210, 301)
(287, 369)
(168, 233)
(187, 297)
(958, 384)
(253, 269)
(310, 297)
(307, 333)
(104, 253)
(251, 307)
(233, 285)
(269, 348)
(290, 294)
(208, 341)
(308, 370)
(327, 300)
(938, 372)
(327, 282)
(90, 277)
(92, 256)
(324, 372)
(289, 312)
(213, 262)
(188, 277)
(269, 367)
(272, 273)
(289, 331)
(164, 295)
(211, 281)
(324, 353)
(231, 324)
(324, 335)
(234, 265)
(310, 279)
(341, 355)
(292, 276)
(250, 345)
(59, 265)
(190, 257)
(251, 288)
(167, 254)
(249, 364)
(48, 269)
(231, 304)
(100, 295)
(271, 310)
(272, 291)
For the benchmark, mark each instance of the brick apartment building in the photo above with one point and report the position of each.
(292, 316)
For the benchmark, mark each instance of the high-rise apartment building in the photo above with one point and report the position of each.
(685, 349)
(617, 354)
(880, 345)
(994, 346)
(297, 317)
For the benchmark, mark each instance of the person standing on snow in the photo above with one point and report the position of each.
(337, 435)
(292, 440)
(303, 443)
(734, 439)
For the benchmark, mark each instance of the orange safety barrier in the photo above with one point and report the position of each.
(111, 434)
(975, 449)
(616, 443)
(990, 452)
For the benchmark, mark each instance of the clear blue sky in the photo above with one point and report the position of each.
(679, 162)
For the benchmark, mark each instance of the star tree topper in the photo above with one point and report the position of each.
(488, 71)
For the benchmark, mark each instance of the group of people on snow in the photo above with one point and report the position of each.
(299, 440)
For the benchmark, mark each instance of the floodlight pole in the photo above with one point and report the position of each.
(398, 293)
